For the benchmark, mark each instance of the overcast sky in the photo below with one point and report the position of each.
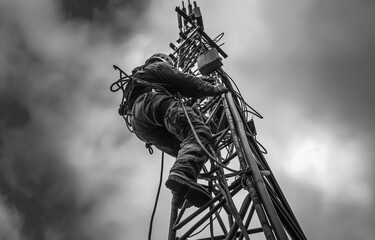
(69, 169)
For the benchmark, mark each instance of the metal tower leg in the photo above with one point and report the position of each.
(173, 218)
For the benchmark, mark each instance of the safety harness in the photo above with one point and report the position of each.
(127, 83)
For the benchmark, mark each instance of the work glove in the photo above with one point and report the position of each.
(219, 89)
(208, 79)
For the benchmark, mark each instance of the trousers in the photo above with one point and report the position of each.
(159, 119)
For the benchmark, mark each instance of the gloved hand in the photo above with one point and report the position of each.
(208, 79)
(219, 89)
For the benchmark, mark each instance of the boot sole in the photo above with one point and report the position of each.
(189, 190)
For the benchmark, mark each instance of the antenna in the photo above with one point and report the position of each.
(246, 197)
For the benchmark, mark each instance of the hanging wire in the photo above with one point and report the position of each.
(157, 196)
(244, 104)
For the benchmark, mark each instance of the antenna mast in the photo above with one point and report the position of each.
(247, 200)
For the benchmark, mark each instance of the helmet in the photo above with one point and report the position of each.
(160, 57)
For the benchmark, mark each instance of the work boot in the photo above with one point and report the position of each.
(185, 187)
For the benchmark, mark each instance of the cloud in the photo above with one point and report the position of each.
(326, 49)
(9, 221)
(13, 114)
(67, 162)
(317, 76)
(113, 20)
(56, 119)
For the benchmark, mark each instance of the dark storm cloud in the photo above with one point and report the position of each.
(342, 36)
(105, 17)
(327, 48)
(12, 113)
(95, 10)
(47, 83)
(323, 63)
(40, 187)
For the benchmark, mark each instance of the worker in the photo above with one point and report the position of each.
(157, 118)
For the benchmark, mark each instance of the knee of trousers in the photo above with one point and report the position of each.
(177, 123)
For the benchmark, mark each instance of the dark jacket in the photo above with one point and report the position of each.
(173, 81)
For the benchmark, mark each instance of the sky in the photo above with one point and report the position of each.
(69, 169)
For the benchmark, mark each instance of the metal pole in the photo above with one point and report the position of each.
(259, 209)
(242, 212)
(259, 183)
(173, 217)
